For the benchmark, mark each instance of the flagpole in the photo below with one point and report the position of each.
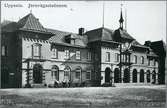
(103, 15)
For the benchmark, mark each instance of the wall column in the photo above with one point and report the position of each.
(131, 75)
(151, 80)
(156, 81)
(138, 77)
(145, 77)
(112, 75)
(122, 76)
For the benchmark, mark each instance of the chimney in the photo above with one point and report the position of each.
(81, 31)
(147, 43)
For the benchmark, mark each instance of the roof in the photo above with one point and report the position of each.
(59, 38)
(9, 26)
(29, 22)
(99, 34)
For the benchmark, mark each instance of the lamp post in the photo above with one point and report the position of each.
(124, 51)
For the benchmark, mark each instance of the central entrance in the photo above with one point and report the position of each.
(107, 75)
(126, 76)
(37, 73)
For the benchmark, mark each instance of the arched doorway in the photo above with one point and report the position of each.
(141, 75)
(126, 76)
(107, 75)
(37, 73)
(153, 77)
(148, 76)
(134, 75)
(116, 75)
(67, 73)
(55, 72)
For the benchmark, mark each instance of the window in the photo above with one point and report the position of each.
(55, 72)
(107, 56)
(89, 55)
(142, 60)
(4, 50)
(154, 63)
(54, 53)
(78, 73)
(73, 41)
(117, 57)
(135, 59)
(78, 55)
(67, 54)
(148, 62)
(36, 50)
(88, 75)
(67, 71)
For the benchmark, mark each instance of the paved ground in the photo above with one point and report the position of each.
(91, 97)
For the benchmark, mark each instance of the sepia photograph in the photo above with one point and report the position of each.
(83, 54)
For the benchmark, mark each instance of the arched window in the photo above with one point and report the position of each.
(55, 72)
(142, 60)
(148, 76)
(67, 71)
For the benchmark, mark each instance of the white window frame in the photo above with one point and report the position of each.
(89, 71)
(135, 59)
(67, 54)
(36, 50)
(78, 55)
(117, 57)
(78, 71)
(89, 55)
(3, 50)
(54, 53)
(142, 60)
(107, 56)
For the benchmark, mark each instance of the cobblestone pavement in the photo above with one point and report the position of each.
(141, 96)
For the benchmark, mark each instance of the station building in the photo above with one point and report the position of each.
(33, 54)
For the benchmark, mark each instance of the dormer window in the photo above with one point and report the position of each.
(73, 41)
(70, 39)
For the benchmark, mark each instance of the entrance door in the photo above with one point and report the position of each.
(37, 73)
(116, 75)
(141, 75)
(107, 75)
(153, 77)
(135, 76)
(126, 76)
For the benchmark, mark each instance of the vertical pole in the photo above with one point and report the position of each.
(28, 73)
(103, 15)
(120, 64)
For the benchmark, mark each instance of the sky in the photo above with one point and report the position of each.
(146, 20)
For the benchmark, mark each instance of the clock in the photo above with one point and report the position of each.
(126, 46)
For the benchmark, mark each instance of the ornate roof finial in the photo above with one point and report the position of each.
(31, 11)
(121, 20)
